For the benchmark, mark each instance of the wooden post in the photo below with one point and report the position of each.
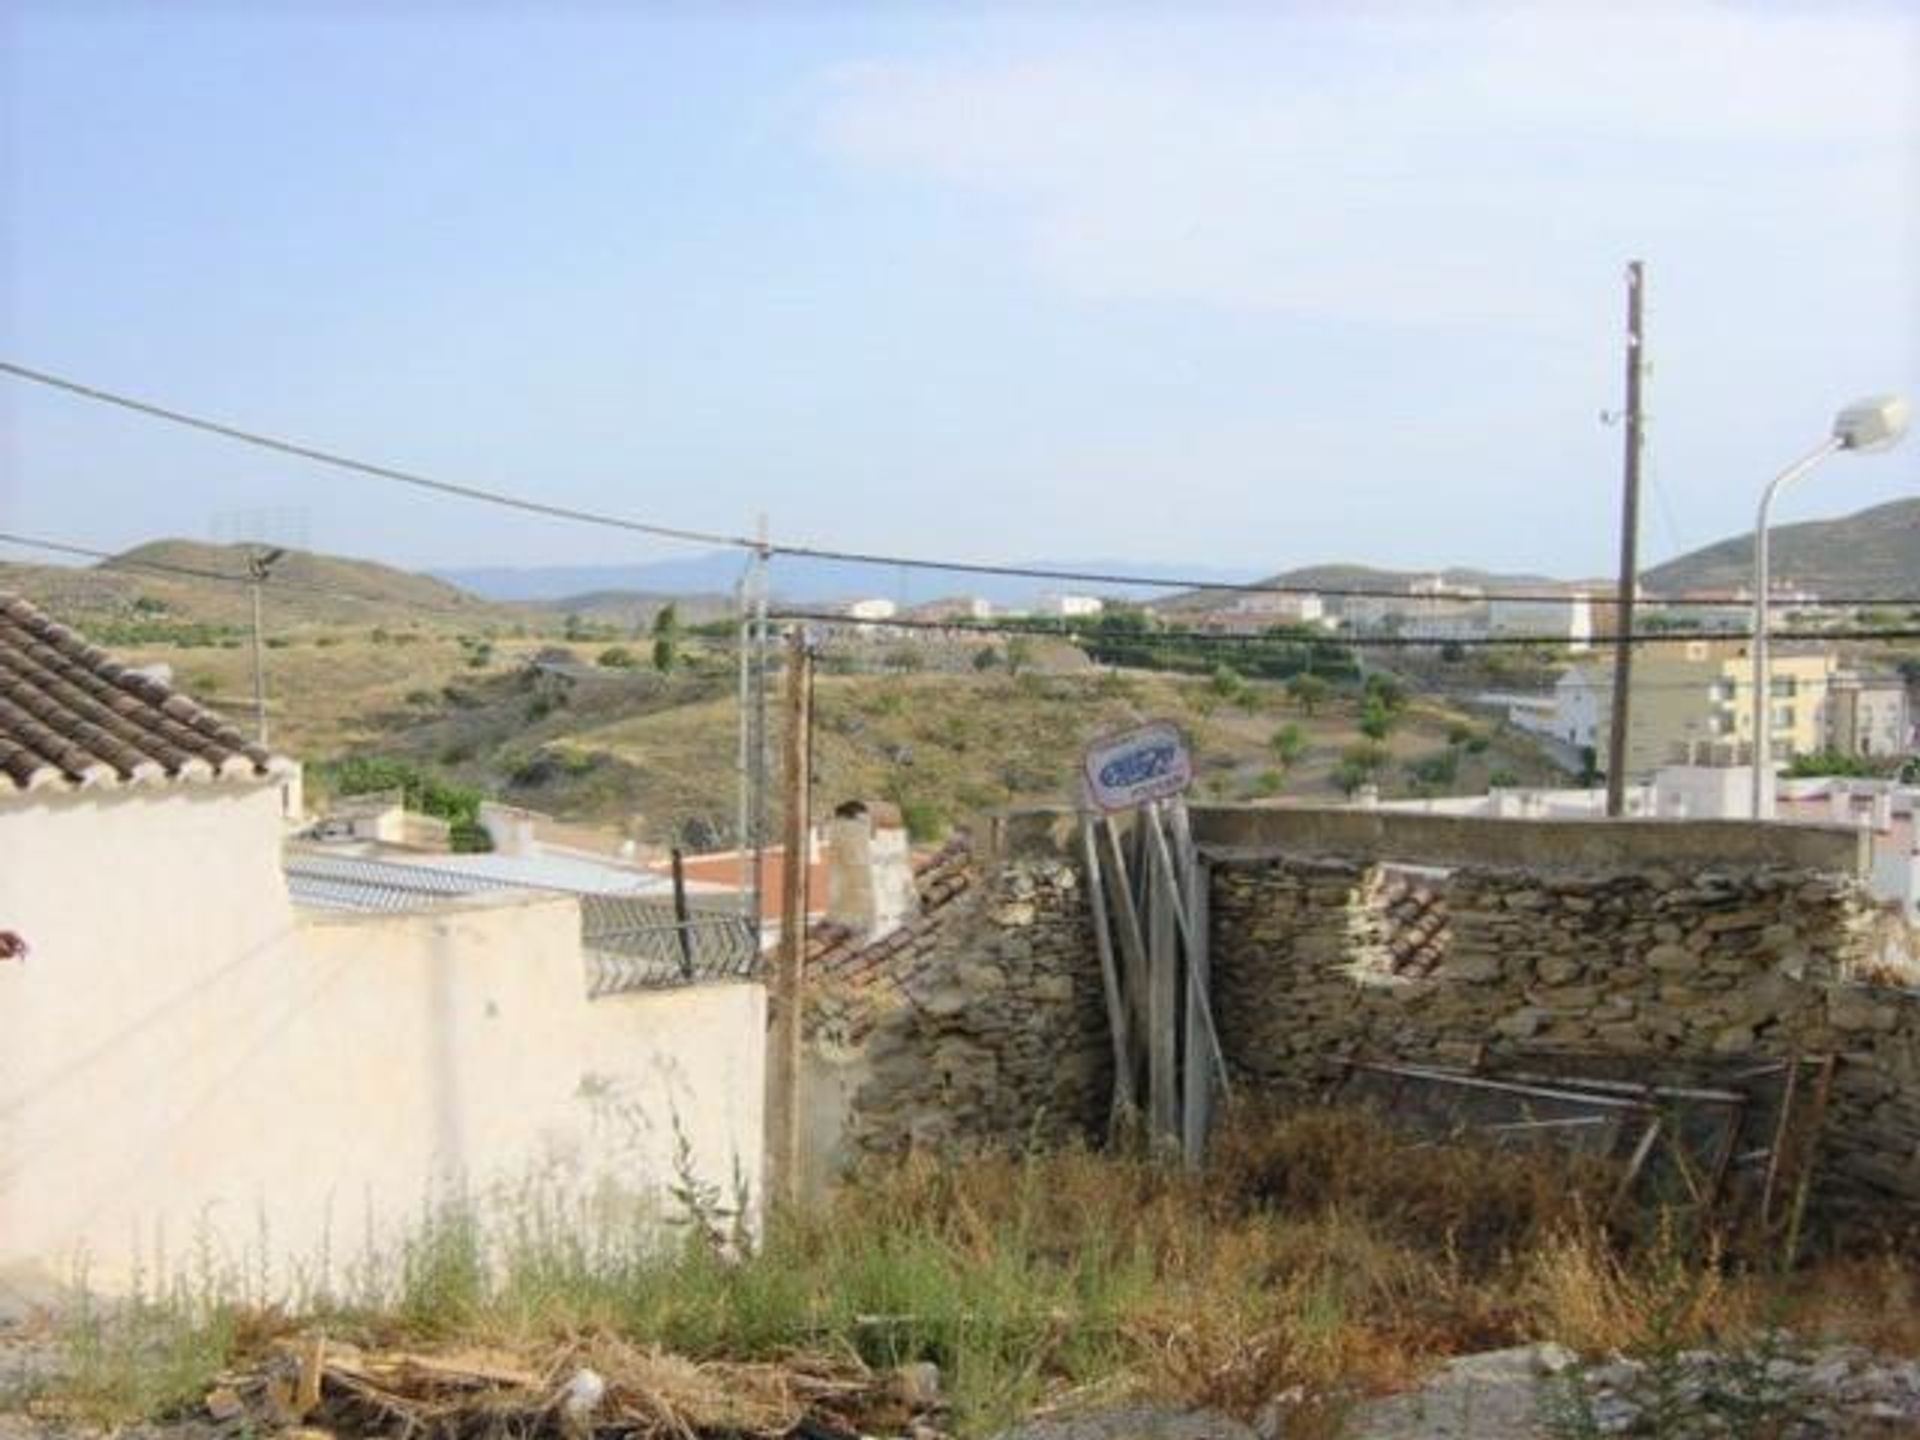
(783, 1089)
(685, 931)
(1163, 987)
(1629, 553)
(1123, 1096)
(1199, 1044)
(1189, 934)
(1133, 951)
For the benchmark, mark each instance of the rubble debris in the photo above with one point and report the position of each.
(599, 1385)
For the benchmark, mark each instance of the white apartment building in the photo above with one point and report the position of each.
(1069, 607)
(1566, 618)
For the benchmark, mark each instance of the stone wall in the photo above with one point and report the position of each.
(1677, 942)
(990, 1028)
(1678, 957)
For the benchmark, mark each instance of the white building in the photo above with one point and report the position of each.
(188, 1058)
(1070, 607)
(876, 608)
(1281, 609)
(1567, 618)
(1581, 697)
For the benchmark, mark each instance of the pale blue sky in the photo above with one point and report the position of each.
(1258, 286)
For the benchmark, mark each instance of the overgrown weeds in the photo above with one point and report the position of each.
(1321, 1254)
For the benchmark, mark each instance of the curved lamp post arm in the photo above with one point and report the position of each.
(1762, 620)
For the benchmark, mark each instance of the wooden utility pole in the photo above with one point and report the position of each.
(783, 1063)
(1629, 556)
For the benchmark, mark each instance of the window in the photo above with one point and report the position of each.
(1783, 717)
(1783, 687)
(1721, 692)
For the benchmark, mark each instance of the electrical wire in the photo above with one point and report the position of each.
(1085, 634)
(364, 467)
(767, 548)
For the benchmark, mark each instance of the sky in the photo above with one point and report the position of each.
(1235, 286)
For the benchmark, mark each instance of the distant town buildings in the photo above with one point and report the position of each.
(1069, 607)
(1693, 704)
(1441, 611)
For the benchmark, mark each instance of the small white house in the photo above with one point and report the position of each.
(1070, 607)
(191, 1060)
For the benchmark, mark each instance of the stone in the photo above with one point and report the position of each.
(1133, 1422)
(1522, 1024)
(1855, 1008)
(1558, 969)
(918, 1384)
(1474, 967)
(1735, 1040)
(1672, 959)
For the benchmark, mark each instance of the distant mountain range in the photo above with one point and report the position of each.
(804, 582)
(1875, 553)
(181, 580)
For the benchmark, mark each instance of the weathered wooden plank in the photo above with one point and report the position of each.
(1163, 986)
(1133, 952)
(1197, 1113)
(1124, 1099)
(1197, 997)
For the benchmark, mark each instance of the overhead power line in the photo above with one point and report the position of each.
(528, 505)
(1082, 634)
(363, 467)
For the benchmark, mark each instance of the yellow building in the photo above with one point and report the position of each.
(1693, 704)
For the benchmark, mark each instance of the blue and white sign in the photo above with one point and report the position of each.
(1150, 763)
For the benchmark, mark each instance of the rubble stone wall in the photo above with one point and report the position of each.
(1670, 940)
(1675, 958)
(995, 1033)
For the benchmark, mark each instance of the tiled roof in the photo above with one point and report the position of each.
(71, 718)
(837, 958)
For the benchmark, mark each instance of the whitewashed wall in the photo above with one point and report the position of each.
(188, 1064)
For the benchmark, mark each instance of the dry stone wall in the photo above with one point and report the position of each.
(994, 1032)
(1679, 960)
(1672, 942)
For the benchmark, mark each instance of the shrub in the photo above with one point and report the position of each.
(1376, 719)
(1308, 692)
(617, 657)
(420, 789)
(1288, 743)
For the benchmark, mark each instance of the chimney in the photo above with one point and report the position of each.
(508, 827)
(870, 887)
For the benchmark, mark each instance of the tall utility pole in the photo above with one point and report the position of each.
(783, 1088)
(1629, 554)
(759, 739)
(259, 566)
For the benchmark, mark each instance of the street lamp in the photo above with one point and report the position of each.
(1867, 425)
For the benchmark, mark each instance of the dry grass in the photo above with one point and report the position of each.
(1322, 1256)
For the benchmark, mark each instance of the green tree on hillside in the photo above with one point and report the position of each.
(1308, 691)
(1288, 743)
(666, 638)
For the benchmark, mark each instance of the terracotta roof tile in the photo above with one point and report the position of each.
(72, 718)
(837, 957)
